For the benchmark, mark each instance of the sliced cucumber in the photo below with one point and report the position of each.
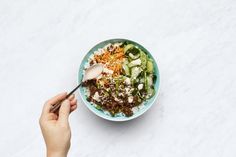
(131, 56)
(149, 80)
(136, 62)
(126, 69)
(132, 50)
(149, 86)
(126, 61)
(135, 71)
(143, 58)
(150, 68)
(128, 47)
(150, 92)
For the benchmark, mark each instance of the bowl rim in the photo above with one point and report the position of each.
(117, 119)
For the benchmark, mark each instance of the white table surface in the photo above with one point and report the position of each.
(194, 42)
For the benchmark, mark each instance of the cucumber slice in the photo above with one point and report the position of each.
(135, 71)
(131, 56)
(126, 61)
(143, 58)
(149, 80)
(149, 86)
(126, 69)
(150, 68)
(150, 92)
(136, 62)
(128, 47)
(133, 50)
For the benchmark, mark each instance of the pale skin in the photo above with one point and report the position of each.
(55, 127)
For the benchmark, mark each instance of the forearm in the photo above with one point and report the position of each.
(56, 154)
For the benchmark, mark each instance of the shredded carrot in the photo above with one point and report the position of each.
(112, 60)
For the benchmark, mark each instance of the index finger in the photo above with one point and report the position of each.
(53, 100)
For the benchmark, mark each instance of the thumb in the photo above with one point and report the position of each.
(64, 111)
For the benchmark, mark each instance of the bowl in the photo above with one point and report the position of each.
(147, 104)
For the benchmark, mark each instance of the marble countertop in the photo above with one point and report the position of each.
(42, 44)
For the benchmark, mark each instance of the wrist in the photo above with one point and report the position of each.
(56, 154)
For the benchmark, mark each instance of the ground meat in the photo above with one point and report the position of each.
(136, 101)
(92, 90)
(109, 102)
(127, 111)
(88, 83)
(91, 62)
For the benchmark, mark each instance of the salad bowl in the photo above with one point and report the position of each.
(146, 104)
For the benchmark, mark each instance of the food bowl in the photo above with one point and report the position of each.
(119, 117)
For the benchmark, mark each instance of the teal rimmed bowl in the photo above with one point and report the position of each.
(147, 104)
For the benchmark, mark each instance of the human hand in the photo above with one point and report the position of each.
(55, 127)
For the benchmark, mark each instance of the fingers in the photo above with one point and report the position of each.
(64, 112)
(50, 102)
(57, 98)
(73, 102)
(73, 108)
(71, 97)
(73, 105)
